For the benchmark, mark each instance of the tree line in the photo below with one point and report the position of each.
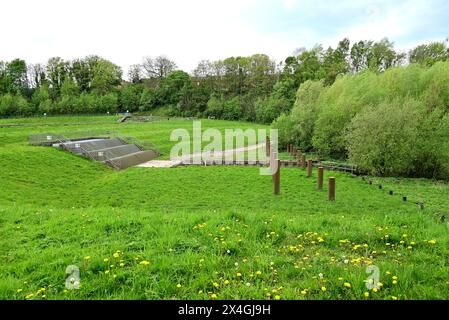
(394, 123)
(253, 88)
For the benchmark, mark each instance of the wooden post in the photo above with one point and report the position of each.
(277, 176)
(309, 168)
(320, 178)
(299, 160)
(268, 146)
(303, 160)
(331, 191)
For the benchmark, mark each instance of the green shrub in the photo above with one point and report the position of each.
(7, 107)
(381, 139)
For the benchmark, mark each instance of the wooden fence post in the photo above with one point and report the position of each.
(268, 146)
(277, 177)
(320, 178)
(331, 191)
(303, 160)
(309, 168)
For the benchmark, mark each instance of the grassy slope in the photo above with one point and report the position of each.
(199, 226)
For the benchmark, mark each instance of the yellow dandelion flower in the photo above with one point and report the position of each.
(178, 285)
(340, 278)
(239, 274)
(19, 290)
(366, 294)
(323, 289)
(144, 262)
(106, 259)
(116, 255)
(29, 296)
(304, 292)
(394, 277)
(394, 298)
(347, 285)
(213, 296)
(87, 258)
(216, 285)
(432, 241)
(395, 282)
(258, 272)
(380, 284)
(277, 297)
(375, 289)
(226, 282)
(200, 292)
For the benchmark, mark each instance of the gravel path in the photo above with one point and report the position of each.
(220, 154)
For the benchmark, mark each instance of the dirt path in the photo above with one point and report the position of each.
(199, 155)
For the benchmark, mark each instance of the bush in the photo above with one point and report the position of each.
(305, 112)
(7, 107)
(381, 139)
(130, 97)
(24, 108)
(232, 109)
(286, 130)
(214, 107)
(268, 109)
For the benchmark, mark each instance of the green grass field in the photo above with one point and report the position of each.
(206, 232)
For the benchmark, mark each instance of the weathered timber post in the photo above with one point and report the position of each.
(268, 146)
(320, 178)
(273, 158)
(277, 177)
(309, 168)
(303, 160)
(331, 191)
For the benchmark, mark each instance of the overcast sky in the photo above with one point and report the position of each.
(189, 31)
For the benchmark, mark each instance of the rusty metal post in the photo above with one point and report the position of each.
(277, 177)
(331, 191)
(320, 178)
(309, 168)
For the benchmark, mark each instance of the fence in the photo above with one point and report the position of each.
(107, 147)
